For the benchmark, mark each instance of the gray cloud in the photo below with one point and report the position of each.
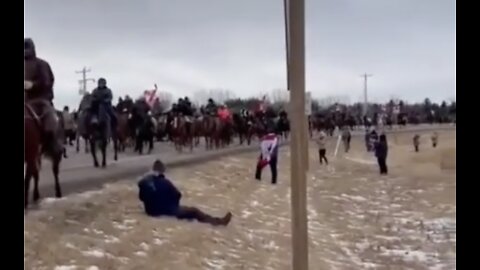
(186, 45)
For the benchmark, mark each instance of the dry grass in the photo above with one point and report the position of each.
(357, 219)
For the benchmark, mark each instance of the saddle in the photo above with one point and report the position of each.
(38, 112)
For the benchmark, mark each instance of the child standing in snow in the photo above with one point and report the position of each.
(322, 149)
(416, 142)
(381, 151)
(346, 137)
(434, 139)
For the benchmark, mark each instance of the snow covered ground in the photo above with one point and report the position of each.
(357, 218)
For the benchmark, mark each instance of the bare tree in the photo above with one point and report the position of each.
(219, 95)
(165, 100)
(200, 96)
(279, 96)
(328, 101)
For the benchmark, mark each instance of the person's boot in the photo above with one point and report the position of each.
(219, 221)
(225, 220)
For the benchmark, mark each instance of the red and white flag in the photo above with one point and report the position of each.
(150, 96)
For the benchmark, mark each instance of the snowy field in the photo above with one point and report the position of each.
(357, 218)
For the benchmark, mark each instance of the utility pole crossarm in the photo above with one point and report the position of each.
(84, 80)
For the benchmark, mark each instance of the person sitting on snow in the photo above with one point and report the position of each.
(161, 198)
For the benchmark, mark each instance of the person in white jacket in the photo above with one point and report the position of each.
(268, 155)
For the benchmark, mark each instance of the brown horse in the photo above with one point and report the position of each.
(209, 128)
(181, 135)
(122, 131)
(197, 130)
(220, 133)
(32, 155)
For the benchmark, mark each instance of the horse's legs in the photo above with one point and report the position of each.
(78, 143)
(86, 145)
(55, 170)
(139, 144)
(36, 193)
(93, 150)
(65, 152)
(31, 167)
(150, 148)
(141, 140)
(103, 148)
(191, 141)
(115, 149)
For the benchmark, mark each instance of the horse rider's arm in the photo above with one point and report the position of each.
(46, 77)
(52, 77)
(108, 96)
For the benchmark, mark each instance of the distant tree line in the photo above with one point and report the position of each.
(277, 100)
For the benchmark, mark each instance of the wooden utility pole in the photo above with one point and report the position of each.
(365, 93)
(84, 80)
(295, 39)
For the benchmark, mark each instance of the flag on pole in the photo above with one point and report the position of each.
(150, 96)
(261, 104)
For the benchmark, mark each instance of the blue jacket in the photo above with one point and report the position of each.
(159, 195)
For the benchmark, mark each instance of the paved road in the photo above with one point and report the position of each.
(78, 174)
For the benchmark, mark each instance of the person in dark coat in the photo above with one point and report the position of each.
(102, 96)
(381, 151)
(38, 89)
(416, 142)
(211, 108)
(434, 139)
(367, 140)
(161, 198)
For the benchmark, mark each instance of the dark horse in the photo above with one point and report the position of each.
(99, 130)
(81, 121)
(283, 127)
(242, 126)
(144, 132)
(32, 155)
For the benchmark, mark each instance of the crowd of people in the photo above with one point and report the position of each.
(159, 196)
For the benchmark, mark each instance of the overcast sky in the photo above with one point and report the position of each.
(187, 45)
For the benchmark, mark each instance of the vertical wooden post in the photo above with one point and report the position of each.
(296, 71)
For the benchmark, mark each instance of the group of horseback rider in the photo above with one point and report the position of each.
(39, 95)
